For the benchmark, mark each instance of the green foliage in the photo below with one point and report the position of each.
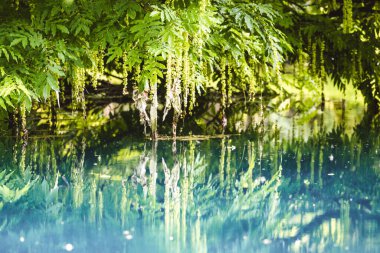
(185, 48)
(340, 39)
(13, 187)
(44, 43)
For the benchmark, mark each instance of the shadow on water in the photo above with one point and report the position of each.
(288, 185)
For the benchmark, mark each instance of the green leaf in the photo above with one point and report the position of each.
(61, 57)
(131, 13)
(2, 104)
(248, 22)
(27, 92)
(86, 30)
(2, 71)
(28, 105)
(46, 91)
(56, 70)
(63, 29)
(77, 30)
(16, 41)
(53, 82)
(24, 42)
(5, 53)
(117, 52)
(8, 101)
(53, 29)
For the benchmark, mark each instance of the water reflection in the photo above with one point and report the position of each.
(246, 193)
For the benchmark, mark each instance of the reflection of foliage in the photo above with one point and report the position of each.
(13, 187)
(199, 191)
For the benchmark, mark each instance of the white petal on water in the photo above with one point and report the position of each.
(331, 174)
(267, 241)
(171, 238)
(68, 247)
(129, 237)
(22, 239)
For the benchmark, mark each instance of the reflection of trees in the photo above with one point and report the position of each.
(171, 198)
(152, 181)
(256, 187)
(77, 176)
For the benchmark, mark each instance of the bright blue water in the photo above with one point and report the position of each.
(244, 193)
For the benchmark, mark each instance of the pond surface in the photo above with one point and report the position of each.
(307, 189)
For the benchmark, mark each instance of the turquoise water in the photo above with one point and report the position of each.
(267, 191)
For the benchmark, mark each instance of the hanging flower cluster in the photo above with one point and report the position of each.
(79, 79)
(347, 16)
(125, 73)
